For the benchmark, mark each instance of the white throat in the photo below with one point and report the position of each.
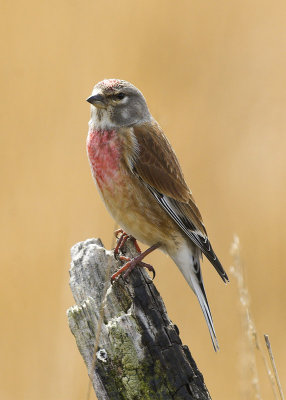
(100, 119)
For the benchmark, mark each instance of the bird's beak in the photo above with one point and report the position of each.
(97, 100)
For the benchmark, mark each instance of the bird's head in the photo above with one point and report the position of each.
(117, 103)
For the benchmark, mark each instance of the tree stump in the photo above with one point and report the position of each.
(130, 347)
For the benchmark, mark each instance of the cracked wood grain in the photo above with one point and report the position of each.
(139, 354)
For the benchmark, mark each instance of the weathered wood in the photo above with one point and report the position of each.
(139, 354)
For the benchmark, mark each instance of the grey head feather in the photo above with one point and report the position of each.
(130, 110)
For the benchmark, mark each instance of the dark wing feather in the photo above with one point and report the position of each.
(158, 168)
(157, 165)
(175, 210)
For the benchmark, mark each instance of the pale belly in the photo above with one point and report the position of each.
(137, 212)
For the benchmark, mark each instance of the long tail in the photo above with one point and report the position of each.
(201, 295)
(191, 269)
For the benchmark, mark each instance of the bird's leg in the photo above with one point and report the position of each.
(142, 265)
(122, 239)
(131, 263)
(136, 244)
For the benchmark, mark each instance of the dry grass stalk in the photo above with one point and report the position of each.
(248, 369)
(267, 368)
(267, 341)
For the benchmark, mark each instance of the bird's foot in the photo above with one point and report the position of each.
(122, 237)
(131, 263)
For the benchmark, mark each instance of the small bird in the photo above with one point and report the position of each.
(142, 185)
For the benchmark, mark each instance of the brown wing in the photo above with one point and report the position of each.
(158, 166)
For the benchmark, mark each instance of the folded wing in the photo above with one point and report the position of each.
(158, 169)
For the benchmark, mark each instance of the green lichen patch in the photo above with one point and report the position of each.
(131, 374)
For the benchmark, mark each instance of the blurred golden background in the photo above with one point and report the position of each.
(213, 74)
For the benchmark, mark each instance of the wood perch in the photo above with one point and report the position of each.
(138, 353)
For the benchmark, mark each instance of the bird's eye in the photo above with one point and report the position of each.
(120, 96)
